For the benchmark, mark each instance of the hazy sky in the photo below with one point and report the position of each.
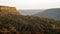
(32, 4)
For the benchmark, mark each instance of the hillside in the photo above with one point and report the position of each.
(14, 23)
(50, 13)
(18, 24)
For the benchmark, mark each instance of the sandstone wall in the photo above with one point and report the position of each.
(7, 10)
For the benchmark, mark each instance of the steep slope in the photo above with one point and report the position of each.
(50, 13)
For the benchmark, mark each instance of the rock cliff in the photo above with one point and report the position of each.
(8, 10)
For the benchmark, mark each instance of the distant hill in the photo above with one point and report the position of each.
(30, 12)
(50, 13)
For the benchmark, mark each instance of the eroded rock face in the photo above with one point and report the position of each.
(8, 10)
